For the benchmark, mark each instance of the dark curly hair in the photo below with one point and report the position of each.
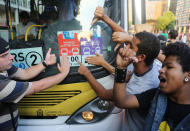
(182, 52)
(173, 34)
(149, 45)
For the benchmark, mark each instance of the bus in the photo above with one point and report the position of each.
(71, 105)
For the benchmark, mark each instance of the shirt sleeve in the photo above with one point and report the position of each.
(13, 91)
(145, 99)
(12, 70)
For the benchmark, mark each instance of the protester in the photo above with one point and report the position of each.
(145, 75)
(167, 106)
(13, 90)
(119, 34)
(184, 38)
(161, 56)
(163, 41)
(172, 36)
(100, 15)
(165, 34)
(141, 79)
(105, 94)
(99, 60)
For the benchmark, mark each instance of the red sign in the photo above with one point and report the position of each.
(68, 43)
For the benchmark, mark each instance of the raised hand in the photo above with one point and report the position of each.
(64, 67)
(121, 37)
(99, 14)
(96, 60)
(83, 70)
(50, 58)
(125, 57)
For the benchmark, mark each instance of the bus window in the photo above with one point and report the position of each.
(68, 24)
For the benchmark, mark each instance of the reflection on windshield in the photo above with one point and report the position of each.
(55, 35)
(86, 12)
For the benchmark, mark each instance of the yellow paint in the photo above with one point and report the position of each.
(164, 126)
(29, 28)
(66, 107)
(10, 23)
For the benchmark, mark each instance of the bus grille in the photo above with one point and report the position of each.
(47, 98)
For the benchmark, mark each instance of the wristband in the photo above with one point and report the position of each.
(120, 75)
(44, 64)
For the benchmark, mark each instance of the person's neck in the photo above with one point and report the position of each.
(182, 95)
(141, 68)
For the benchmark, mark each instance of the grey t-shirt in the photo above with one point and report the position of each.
(138, 84)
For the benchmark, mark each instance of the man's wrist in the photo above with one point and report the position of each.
(103, 63)
(86, 73)
(120, 75)
(104, 17)
(44, 64)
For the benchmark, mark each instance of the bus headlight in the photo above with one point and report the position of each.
(88, 115)
(94, 111)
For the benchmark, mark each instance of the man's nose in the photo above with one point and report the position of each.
(11, 57)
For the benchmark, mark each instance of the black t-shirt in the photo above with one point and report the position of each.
(174, 112)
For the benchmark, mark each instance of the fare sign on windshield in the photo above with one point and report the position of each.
(78, 45)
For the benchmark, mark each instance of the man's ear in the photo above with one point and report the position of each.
(141, 57)
(188, 75)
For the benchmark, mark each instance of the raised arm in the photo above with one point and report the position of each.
(161, 56)
(100, 15)
(121, 37)
(37, 69)
(121, 98)
(98, 88)
(99, 60)
(52, 80)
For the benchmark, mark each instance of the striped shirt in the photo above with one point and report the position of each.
(11, 92)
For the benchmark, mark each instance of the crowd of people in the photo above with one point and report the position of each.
(154, 97)
(147, 92)
(172, 36)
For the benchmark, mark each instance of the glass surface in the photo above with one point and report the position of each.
(82, 23)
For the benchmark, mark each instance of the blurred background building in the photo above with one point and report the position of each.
(155, 8)
(16, 6)
(183, 15)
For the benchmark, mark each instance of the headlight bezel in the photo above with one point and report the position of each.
(94, 107)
